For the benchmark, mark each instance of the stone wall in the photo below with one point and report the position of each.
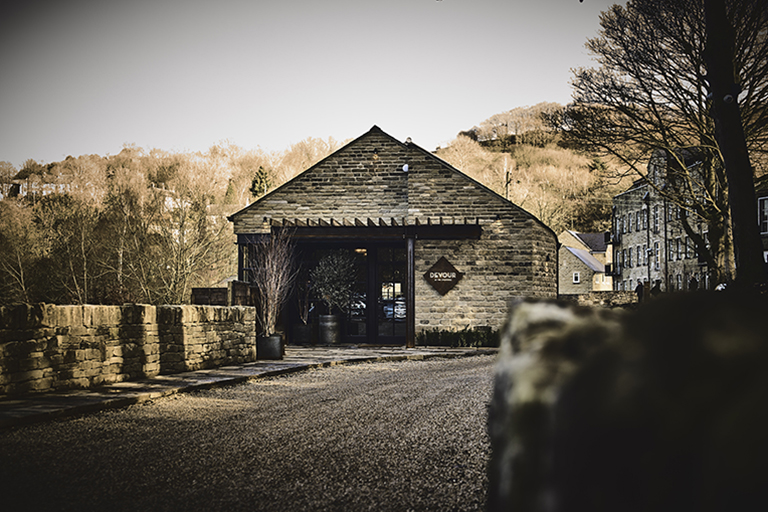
(45, 347)
(602, 299)
(660, 408)
(499, 269)
(569, 264)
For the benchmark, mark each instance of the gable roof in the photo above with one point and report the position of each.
(367, 181)
(587, 259)
(592, 242)
(595, 241)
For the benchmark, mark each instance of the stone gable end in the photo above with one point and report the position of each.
(365, 180)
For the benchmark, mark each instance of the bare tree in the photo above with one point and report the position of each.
(21, 246)
(272, 259)
(652, 92)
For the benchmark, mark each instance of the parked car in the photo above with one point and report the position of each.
(394, 309)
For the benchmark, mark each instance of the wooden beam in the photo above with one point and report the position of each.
(410, 295)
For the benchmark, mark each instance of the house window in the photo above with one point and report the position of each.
(762, 207)
(645, 255)
(656, 219)
(671, 249)
(645, 218)
(679, 282)
(629, 257)
(679, 247)
(637, 220)
(688, 248)
(656, 254)
(639, 256)
(576, 278)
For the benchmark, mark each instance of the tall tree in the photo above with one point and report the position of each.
(720, 56)
(21, 246)
(7, 171)
(653, 91)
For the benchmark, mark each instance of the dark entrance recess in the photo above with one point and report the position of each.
(377, 312)
(382, 308)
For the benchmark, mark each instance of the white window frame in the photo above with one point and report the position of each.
(576, 278)
(762, 213)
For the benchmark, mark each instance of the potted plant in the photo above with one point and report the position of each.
(333, 279)
(274, 272)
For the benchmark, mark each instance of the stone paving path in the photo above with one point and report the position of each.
(42, 407)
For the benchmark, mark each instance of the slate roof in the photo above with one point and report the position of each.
(586, 258)
(595, 241)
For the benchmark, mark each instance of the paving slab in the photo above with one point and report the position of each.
(46, 406)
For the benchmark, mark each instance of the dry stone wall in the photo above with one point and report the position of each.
(45, 347)
(658, 408)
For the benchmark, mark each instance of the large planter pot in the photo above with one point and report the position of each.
(302, 334)
(330, 330)
(269, 347)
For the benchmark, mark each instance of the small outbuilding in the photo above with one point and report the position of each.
(432, 247)
(584, 259)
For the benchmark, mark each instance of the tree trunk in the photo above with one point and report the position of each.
(729, 132)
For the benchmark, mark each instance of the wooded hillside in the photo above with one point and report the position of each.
(147, 226)
(519, 155)
(139, 226)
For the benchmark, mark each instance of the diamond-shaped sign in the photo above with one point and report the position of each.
(443, 276)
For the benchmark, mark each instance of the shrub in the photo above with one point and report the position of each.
(475, 337)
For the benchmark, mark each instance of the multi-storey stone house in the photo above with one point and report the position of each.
(649, 243)
(433, 248)
(761, 192)
(582, 260)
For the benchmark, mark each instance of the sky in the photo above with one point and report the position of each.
(90, 76)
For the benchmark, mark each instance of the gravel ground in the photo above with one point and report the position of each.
(384, 436)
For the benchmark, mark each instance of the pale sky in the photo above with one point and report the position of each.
(89, 76)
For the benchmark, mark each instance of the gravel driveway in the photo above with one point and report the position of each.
(384, 436)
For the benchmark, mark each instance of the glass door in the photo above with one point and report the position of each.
(357, 313)
(390, 308)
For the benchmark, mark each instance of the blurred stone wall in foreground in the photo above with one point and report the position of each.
(660, 408)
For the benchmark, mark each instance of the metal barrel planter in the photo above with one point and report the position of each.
(330, 330)
(269, 347)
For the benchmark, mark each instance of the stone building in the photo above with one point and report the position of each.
(433, 248)
(649, 242)
(761, 192)
(582, 260)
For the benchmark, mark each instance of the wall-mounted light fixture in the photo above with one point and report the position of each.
(375, 154)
